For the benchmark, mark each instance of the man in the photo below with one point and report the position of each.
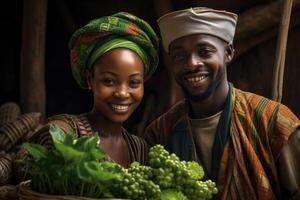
(248, 144)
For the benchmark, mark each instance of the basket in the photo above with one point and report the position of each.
(13, 132)
(25, 193)
(9, 111)
(5, 168)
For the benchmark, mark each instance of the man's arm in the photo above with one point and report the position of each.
(288, 165)
(156, 132)
(152, 134)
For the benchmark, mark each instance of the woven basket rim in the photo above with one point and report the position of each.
(24, 193)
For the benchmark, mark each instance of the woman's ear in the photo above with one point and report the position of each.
(229, 51)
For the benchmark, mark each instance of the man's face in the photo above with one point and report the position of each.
(198, 63)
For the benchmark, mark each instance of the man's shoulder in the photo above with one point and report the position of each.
(166, 121)
(160, 129)
(250, 102)
(247, 95)
(176, 112)
(253, 100)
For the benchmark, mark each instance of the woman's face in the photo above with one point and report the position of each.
(118, 84)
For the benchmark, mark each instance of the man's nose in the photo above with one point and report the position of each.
(194, 61)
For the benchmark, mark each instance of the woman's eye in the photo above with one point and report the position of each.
(135, 83)
(109, 82)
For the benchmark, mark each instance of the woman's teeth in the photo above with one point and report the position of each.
(120, 107)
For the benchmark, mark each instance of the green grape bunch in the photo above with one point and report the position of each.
(137, 183)
(171, 174)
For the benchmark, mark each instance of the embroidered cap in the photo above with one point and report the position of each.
(197, 20)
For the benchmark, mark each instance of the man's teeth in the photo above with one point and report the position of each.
(120, 107)
(196, 79)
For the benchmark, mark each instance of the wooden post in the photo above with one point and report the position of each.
(175, 92)
(32, 80)
(162, 7)
(281, 51)
(242, 46)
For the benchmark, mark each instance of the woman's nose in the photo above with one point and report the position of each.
(122, 92)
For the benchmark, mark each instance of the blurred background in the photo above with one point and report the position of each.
(35, 68)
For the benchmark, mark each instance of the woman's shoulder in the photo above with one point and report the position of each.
(78, 124)
(67, 122)
(138, 148)
(133, 138)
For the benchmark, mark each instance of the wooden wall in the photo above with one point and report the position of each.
(251, 71)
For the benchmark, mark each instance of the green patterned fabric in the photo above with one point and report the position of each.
(85, 42)
(114, 42)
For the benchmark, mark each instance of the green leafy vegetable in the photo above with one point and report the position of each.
(72, 167)
(172, 195)
(77, 166)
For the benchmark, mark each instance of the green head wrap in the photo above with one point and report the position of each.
(114, 42)
(121, 30)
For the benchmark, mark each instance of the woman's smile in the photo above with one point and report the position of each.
(120, 108)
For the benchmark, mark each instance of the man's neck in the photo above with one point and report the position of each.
(211, 105)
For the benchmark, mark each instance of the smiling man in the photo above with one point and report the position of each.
(248, 144)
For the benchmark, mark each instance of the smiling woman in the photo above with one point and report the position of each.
(110, 56)
(117, 84)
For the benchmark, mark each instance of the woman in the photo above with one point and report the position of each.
(111, 56)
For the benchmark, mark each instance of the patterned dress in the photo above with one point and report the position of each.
(79, 124)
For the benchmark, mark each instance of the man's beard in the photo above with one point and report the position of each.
(201, 97)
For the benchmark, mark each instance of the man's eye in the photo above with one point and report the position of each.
(177, 57)
(205, 52)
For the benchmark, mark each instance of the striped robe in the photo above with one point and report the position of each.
(258, 130)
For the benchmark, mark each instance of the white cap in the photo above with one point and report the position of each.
(197, 20)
